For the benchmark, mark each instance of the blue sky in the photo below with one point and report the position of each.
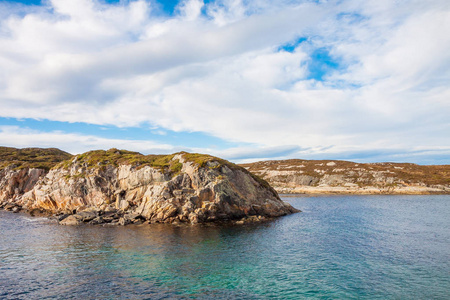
(366, 81)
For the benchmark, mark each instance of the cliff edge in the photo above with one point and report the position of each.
(118, 186)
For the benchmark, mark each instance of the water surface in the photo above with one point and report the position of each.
(339, 247)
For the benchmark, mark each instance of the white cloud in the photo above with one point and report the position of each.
(15, 136)
(222, 74)
(190, 9)
(75, 143)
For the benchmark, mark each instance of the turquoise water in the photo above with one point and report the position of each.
(339, 247)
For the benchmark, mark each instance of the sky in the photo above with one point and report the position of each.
(366, 81)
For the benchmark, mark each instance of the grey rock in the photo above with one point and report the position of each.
(132, 216)
(97, 220)
(123, 221)
(71, 220)
(87, 216)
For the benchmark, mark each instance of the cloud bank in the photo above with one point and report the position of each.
(300, 78)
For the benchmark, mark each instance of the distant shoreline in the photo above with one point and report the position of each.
(313, 191)
(312, 177)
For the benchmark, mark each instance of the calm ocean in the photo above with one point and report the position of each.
(339, 247)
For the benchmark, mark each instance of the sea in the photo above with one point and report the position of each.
(338, 247)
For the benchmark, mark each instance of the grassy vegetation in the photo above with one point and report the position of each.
(201, 160)
(55, 158)
(116, 157)
(32, 157)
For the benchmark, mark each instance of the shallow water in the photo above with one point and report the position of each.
(339, 247)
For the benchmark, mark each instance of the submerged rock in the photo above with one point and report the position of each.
(122, 187)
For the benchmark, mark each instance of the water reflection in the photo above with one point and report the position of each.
(339, 247)
(151, 259)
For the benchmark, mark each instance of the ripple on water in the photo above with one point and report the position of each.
(340, 247)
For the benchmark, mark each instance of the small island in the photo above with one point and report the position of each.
(119, 187)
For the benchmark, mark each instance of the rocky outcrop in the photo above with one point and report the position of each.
(15, 182)
(121, 187)
(344, 177)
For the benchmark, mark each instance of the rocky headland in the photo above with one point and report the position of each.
(344, 177)
(119, 187)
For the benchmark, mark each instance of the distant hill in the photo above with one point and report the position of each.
(285, 176)
(40, 158)
(334, 176)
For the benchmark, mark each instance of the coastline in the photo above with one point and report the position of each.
(297, 176)
(313, 191)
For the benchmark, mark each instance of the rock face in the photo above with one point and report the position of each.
(340, 177)
(176, 188)
(14, 183)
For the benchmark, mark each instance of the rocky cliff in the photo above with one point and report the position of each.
(340, 177)
(118, 186)
(20, 169)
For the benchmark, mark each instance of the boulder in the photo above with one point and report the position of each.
(71, 220)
